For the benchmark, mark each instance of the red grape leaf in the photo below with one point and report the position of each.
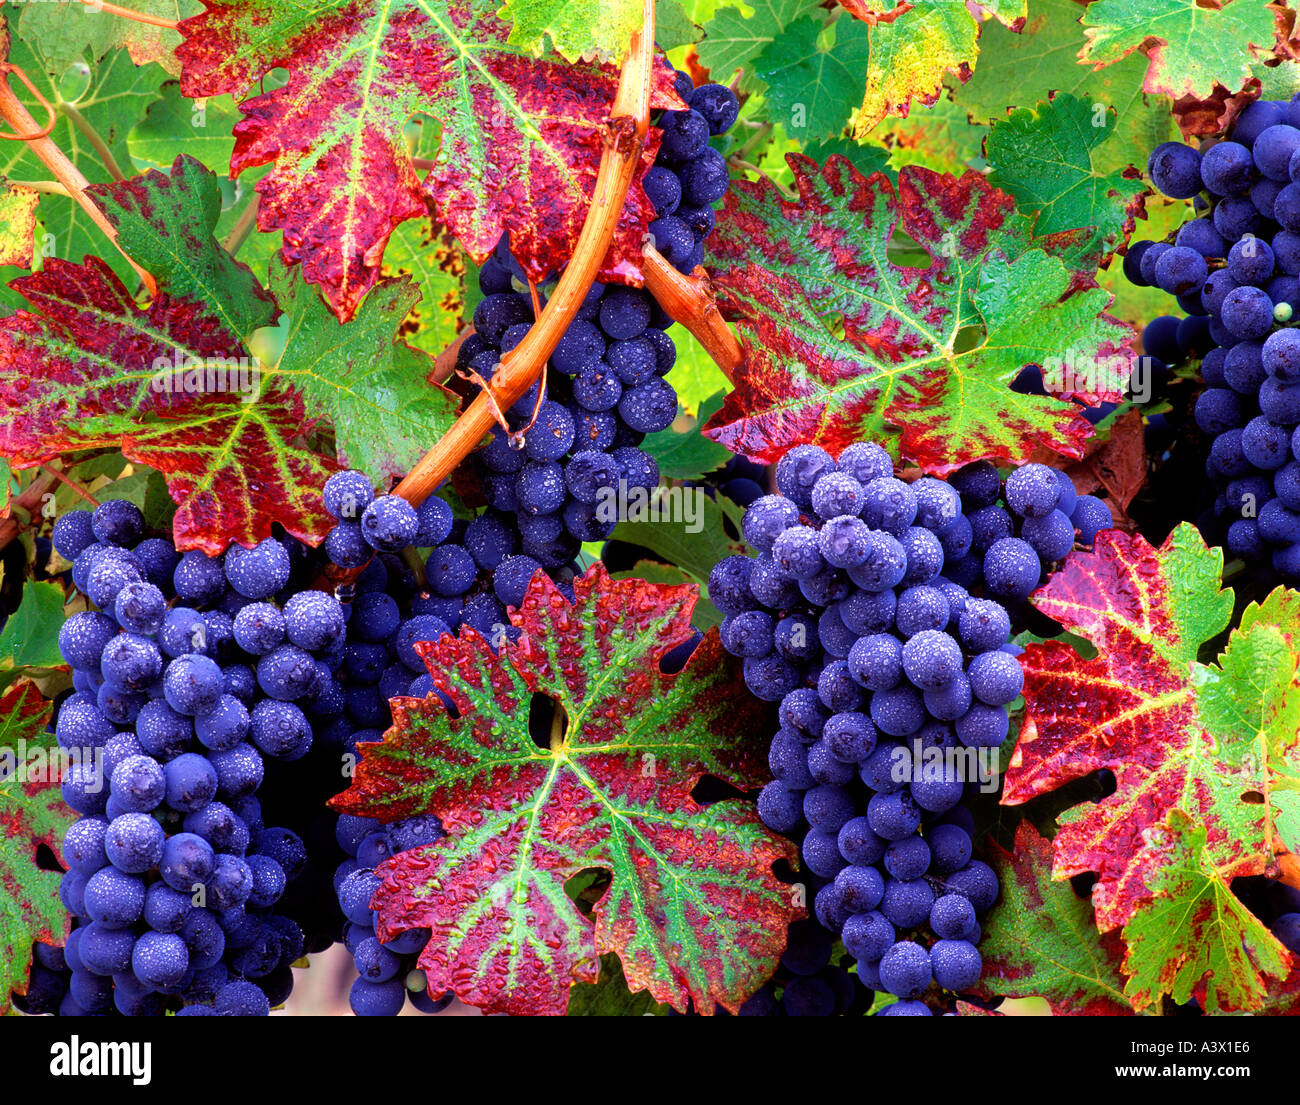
(1196, 938)
(693, 909)
(1219, 743)
(31, 813)
(846, 344)
(521, 136)
(84, 366)
(1040, 939)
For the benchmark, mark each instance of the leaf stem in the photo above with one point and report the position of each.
(135, 17)
(48, 187)
(627, 126)
(690, 301)
(96, 142)
(755, 139)
(64, 478)
(244, 225)
(65, 172)
(445, 365)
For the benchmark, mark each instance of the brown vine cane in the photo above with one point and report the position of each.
(625, 138)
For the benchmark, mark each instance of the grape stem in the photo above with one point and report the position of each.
(65, 172)
(1289, 870)
(625, 139)
(30, 501)
(97, 143)
(690, 301)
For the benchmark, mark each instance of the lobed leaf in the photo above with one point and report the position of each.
(693, 910)
(32, 813)
(521, 138)
(1040, 939)
(846, 344)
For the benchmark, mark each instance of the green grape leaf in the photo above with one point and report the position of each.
(65, 32)
(695, 375)
(32, 813)
(683, 527)
(371, 385)
(1196, 938)
(813, 85)
(29, 642)
(942, 138)
(166, 223)
(688, 454)
(1189, 46)
(110, 97)
(431, 257)
(733, 41)
(204, 127)
(1022, 69)
(1043, 157)
(693, 909)
(609, 996)
(1040, 939)
(579, 30)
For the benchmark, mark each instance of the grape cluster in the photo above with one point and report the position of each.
(387, 972)
(559, 476)
(1234, 271)
(689, 175)
(48, 980)
(192, 675)
(558, 484)
(874, 614)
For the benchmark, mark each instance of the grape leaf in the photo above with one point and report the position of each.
(31, 813)
(847, 345)
(1189, 46)
(1040, 939)
(813, 84)
(372, 386)
(911, 52)
(942, 138)
(84, 362)
(694, 545)
(693, 909)
(1043, 158)
(674, 26)
(1022, 69)
(205, 125)
(110, 99)
(583, 30)
(687, 454)
(65, 32)
(29, 642)
(521, 137)
(695, 375)
(17, 224)
(733, 40)
(166, 223)
(430, 255)
(1218, 742)
(1196, 938)
(610, 997)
